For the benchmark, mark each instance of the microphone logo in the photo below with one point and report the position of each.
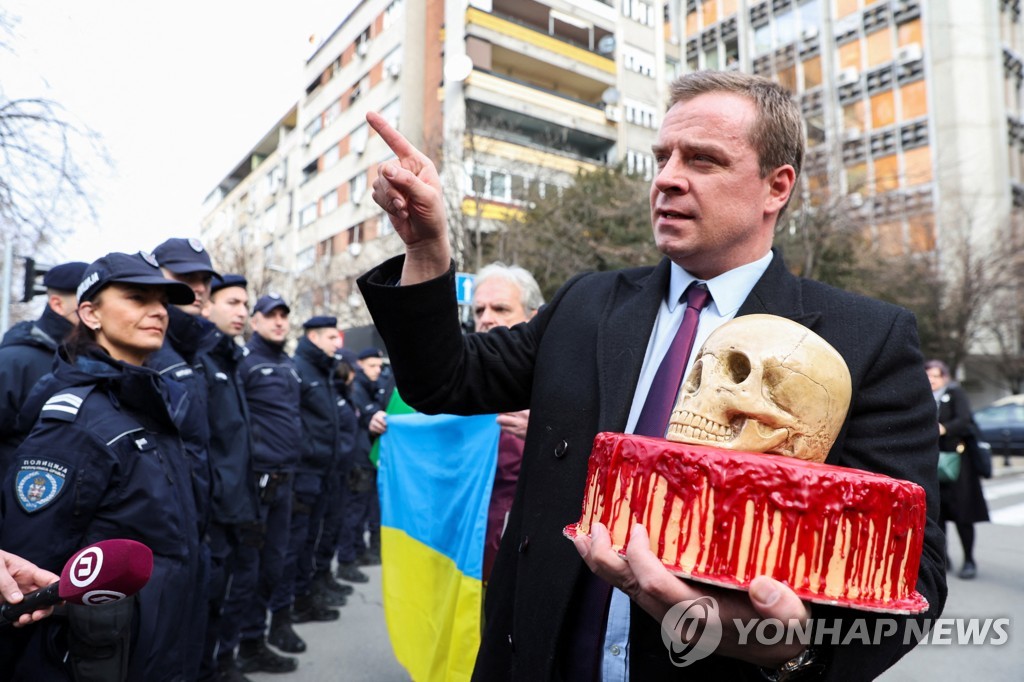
(86, 567)
(97, 597)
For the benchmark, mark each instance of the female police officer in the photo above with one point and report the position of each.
(104, 460)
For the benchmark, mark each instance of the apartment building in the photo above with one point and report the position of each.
(914, 111)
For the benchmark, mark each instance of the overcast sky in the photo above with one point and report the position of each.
(179, 92)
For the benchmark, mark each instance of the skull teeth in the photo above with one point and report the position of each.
(693, 427)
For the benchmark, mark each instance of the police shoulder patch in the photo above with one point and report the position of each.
(39, 481)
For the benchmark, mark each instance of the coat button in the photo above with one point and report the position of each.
(511, 644)
(561, 449)
(524, 543)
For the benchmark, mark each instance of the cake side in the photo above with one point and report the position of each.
(833, 534)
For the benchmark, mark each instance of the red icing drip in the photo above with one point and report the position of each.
(881, 519)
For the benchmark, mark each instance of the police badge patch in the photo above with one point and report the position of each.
(39, 482)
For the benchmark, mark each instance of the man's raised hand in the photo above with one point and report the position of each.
(409, 190)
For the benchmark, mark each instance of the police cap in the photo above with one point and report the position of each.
(184, 256)
(268, 302)
(136, 268)
(65, 277)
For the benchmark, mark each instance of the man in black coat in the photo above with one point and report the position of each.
(26, 353)
(728, 155)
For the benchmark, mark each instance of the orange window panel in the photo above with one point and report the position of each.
(812, 73)
(846, 7)
(909, 32)
(854, 118)
(890, 238)
(728, 8)
(849, 55)
(915, 100)
(887, 174)
(921, 233)
(918, 166)
(710, 12)
(787, 78)
(692, 23)
(879, 47)
(883, 109)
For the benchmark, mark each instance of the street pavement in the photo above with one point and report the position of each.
(356, 648)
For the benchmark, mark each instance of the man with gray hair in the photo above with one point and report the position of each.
(504, 296)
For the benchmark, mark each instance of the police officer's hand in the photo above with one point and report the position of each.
(646, 581)
(378, 423)
(409, 189)
(18, 576)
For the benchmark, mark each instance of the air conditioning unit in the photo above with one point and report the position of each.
(307, 139)
(394, 69)
(613, 113)
(856, 200)
(908, 53)
(849, 75)
(362, 48)
(355, 248)
(852, 133)
(359, 146)
(809, 33)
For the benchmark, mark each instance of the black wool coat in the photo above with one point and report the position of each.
(576, 365)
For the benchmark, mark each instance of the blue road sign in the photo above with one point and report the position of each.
(464, 287)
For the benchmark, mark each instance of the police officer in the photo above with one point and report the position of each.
(26, 354)
(372, 391)
(104, 460)
(234, 508)
(272, 392)
(321, 443)
(186, 261)
(334, 505)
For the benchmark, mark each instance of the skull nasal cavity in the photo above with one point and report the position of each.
(738, 366)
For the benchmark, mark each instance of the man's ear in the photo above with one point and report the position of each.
(781, 183)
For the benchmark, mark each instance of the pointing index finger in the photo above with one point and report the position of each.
(394, 139)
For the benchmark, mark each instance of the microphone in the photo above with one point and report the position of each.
(104, 572)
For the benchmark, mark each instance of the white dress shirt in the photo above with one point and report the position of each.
(728, 292)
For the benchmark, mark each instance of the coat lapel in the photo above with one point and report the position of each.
(626, 325)
(778, 292)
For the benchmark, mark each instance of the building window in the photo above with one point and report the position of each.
(638, 61)
(329, 202)
(639, 163)
(640, 114)
(390, 112)
(357, 187)
(308, 215)
(639, 11)
(305, 259)
(392, 12)
(357, 139)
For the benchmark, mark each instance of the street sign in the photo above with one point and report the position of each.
(464, 288)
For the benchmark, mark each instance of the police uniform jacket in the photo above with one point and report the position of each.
(104, 461)
(272, 391)
(369, 396)
(319, 403)
(576, 365)
(177, 360)
(348, 427)
(233, 486)
(26, 356)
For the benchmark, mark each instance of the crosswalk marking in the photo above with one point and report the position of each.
(1008, 516)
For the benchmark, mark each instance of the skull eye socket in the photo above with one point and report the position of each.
(738, 367)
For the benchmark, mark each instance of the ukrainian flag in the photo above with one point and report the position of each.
(435, 479)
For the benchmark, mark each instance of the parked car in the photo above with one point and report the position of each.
(1002, 425)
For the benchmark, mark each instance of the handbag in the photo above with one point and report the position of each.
(979, 451)
(949, 466)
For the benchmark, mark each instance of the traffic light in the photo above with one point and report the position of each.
(33, 288)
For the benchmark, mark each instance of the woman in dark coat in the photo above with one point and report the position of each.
(962, 500)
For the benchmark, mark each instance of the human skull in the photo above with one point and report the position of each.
(762, 383)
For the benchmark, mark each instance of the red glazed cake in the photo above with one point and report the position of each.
(835, 535)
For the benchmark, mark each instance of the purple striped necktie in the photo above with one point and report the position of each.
(661, 398)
